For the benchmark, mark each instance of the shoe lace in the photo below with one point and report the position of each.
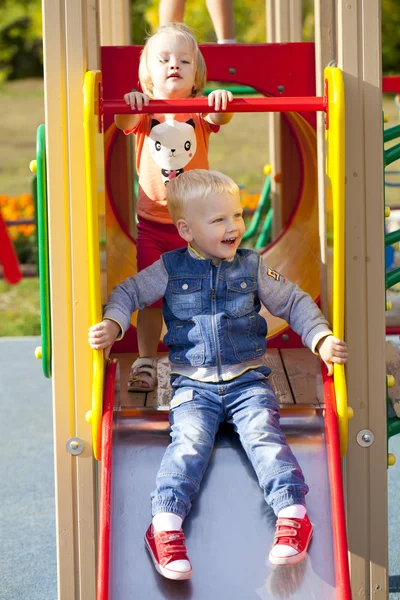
(172, 543)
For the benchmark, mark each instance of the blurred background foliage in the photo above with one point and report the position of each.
(21, 22)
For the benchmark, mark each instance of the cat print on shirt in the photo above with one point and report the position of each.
(172, 146)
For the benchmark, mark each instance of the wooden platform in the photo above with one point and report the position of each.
(296, 379)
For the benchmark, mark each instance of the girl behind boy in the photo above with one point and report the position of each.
(171, 66)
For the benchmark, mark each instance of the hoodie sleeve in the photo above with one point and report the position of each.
(286, 300)
(136, 293)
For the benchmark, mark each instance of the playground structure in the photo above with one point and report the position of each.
(71, 43)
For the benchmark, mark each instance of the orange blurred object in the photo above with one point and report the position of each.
(250, 201)
(14, 208)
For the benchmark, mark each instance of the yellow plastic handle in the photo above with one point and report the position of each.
(335, 167)
(91, 93)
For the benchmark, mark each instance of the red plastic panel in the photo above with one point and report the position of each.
(273, 69)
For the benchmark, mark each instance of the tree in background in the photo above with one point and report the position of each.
(21, 53)
(391, 37)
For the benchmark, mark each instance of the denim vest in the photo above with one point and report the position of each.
(211, 312)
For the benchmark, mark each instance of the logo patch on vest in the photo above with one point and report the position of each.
(275, 275)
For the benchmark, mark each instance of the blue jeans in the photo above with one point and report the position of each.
(197, 409)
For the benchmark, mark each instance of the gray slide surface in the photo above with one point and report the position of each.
(230, 529)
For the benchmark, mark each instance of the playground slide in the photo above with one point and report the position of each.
(230, 528)
(295, 253)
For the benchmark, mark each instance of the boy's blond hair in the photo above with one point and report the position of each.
(194, 186)
(176, 30)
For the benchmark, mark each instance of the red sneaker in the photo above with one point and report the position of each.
(168, 552)
(297, 534)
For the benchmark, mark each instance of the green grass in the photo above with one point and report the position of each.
(19, 308)
(22, 104)
(22, 107)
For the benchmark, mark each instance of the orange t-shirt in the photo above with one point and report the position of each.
(166, 146)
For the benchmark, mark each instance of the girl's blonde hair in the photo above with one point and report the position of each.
(194, 186)
(176, 30)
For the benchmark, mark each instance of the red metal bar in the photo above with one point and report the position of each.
(391, 84)
(103, 557)
(200, 105)
(343, 589)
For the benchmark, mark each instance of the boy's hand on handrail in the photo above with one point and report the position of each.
(103, 335)
(332, 350)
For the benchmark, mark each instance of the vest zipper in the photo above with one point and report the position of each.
(213, 316)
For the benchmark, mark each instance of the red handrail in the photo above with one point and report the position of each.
(103, 557)
(200, 105)
(343, 589)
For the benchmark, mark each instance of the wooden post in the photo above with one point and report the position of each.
(115, 30)
(325, 53)
(284, 24)
(115, 22)
(70, 48)
(359, 43)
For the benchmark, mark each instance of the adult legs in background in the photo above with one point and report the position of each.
(221, 13)
(222, 16)
(171, 11)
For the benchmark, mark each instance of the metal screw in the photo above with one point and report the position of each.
(281, 89)
(232, 70)
(75, 446)
(365, 438)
